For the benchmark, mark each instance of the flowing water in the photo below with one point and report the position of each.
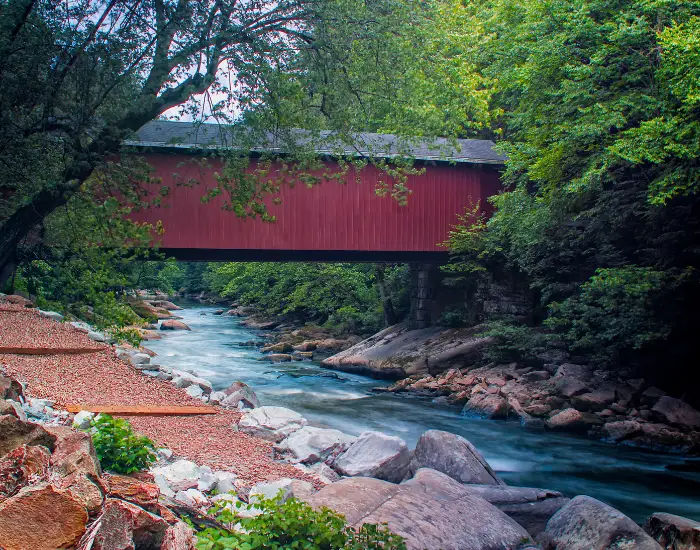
(636, 482)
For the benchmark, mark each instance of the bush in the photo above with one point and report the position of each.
(514, 342)
(118, 448)
(294, 524)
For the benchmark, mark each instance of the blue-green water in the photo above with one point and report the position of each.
(637, 482)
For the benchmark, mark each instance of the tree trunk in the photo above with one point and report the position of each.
(387, 305)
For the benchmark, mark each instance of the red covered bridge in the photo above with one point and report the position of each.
(331, 221)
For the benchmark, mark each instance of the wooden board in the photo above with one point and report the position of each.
(143, 410)
(48, 351)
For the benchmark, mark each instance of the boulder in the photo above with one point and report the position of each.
(239, 396)
(182, 379)
(192, 497)
(82, 420)
(569, 386)
(271, 423)
(165, 304)
(172, 324)
(281, 347)
(582, 372)
(17, 300)
(178, 537)
(528, 506)
(216, 397)
(429, 511)
(374, 454)
(621, 430)
(487, 405)
(584, 523)
(194, 391)
(15, 432)
(143, 493)
(124, 526)
(10, 406)
(83, 490)
(41, 517)
(74, 452)
(276, 357)
(573, 420)
(225, 481)
(593, 401)
(285, 488)
(179, 476)
(21, 464)
(10, 388)
(675, 411)
(306, 345)
(452, 455)
(309, 444)
(673, 532)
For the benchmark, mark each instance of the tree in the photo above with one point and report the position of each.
(78, 77)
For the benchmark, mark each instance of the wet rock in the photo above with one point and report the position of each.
(664, 437)
(271, 423)
(573, 420)
(171, 324)
(285, 488)
(621, 430)
(487, 405)
(281, 347)
(375, 454)
(310, 444)
(673, 532)
(276, 357)
(530, 507)
(452, 455)
(30, 519)
(21, 464)
(675, 411)
(15, 432)
(586, 523)
(165, 304)
(239, 396)
(429, 511)
(74, 452)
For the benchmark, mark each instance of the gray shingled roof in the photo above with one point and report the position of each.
(188, 135)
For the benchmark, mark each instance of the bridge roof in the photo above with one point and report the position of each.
(199, 136)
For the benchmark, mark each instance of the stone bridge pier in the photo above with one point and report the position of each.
(425, 285)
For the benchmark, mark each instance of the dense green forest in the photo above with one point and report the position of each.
(596, 103)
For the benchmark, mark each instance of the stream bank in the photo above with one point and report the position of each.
(633, 480)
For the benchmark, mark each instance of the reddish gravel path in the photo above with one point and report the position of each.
(102, 379)
(25, 328)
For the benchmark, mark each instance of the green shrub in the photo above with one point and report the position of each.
(514, 342)
(118, 448)
(293, 524)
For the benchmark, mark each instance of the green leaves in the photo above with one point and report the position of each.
(292, 525)
(118, 448)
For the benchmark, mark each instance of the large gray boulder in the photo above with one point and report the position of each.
(285, 488)
(375, 454)
(530, 507)
(453, 455)
(675, 411)
(271, 423)
(309, 445)
(429, 511)
(586, 523)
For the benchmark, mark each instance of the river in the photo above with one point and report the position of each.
(636, 482)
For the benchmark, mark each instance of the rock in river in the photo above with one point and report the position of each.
(172, 324)
(674, 532)
(452, 455)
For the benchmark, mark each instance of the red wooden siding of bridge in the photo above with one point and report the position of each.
(327, 217)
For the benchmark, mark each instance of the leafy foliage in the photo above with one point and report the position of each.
(118, 448)
(293, 524)
(343, 296)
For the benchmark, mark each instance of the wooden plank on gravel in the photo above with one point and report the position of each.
(143, 410)
(47, 351)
